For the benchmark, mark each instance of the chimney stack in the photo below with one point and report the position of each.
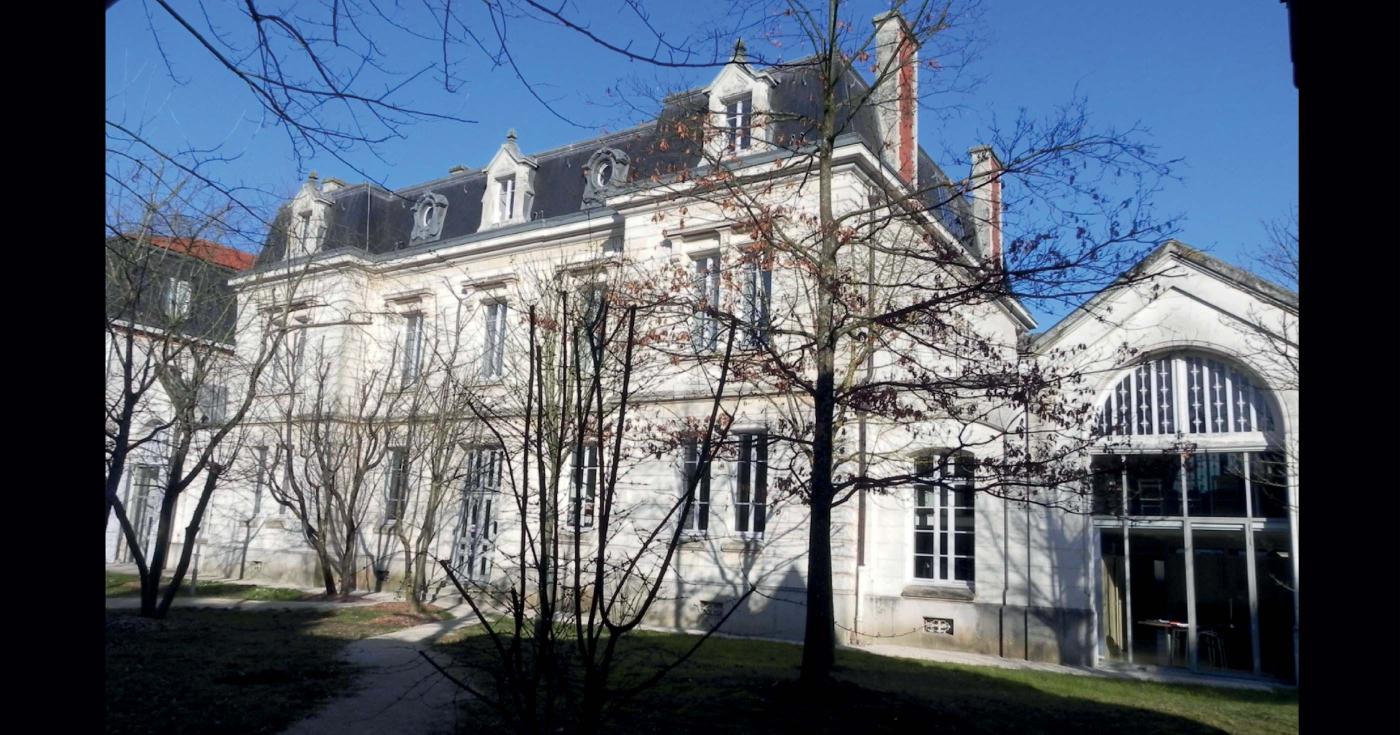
(984, 189)
(896, 96)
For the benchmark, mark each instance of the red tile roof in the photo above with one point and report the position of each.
(209, 252)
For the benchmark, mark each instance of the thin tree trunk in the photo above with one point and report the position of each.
(191, 536)
(819, 638)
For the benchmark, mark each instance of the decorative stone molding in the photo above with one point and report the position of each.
(606, 170)
(428, 216)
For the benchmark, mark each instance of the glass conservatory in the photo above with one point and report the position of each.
(1192, 508)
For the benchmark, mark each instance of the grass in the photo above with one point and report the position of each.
(129, 585)
(233, 671)
(750, 685)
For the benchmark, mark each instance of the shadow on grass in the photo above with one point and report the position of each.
(129, 585)
(231, 671)
(744, 685)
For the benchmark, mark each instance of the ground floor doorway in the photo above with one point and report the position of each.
(1201, 604)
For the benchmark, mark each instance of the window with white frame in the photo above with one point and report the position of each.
(260, 477)
(397, 494)
(944, 518)
(706, 332)
(738, 120)
(695, 481)
(584, 492)
(211, 404)
(758, 297)
(177, 298)
(412, 343)
(493, 360)
(143, 501)
(304, 233)
(505, 198)
(751, 485)
(480, 495)
(287, 359)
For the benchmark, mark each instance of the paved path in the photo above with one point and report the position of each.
(397, 690)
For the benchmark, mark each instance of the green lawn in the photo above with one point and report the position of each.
(743, 685)
(129, 585)
(232, 671)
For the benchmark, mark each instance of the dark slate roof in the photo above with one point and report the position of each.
(139, 273)
(371, 219)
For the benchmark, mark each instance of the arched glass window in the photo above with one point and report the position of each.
(1185, 393)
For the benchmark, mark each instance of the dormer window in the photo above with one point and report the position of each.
(510, 187)
(505, 198)
(428, 216)
(738, 118)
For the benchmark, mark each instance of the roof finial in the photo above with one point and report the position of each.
(510, 135)
(741, 52)
(312, 176)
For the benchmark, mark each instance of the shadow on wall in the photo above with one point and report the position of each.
(709, 576)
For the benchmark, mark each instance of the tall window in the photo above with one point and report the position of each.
(286, 361)
(944, 519)
(697, 518)
(738, 114)
(398, 484)
(143, 501)
(412, 347)
(751, 487)
(589, 333)
(177, 298)
(260, 481)
(212, 404)
(304, 236)
(758, 296)
(706, 334)
(505, 198)
(493, 362)
(479, 500)
(585, 486)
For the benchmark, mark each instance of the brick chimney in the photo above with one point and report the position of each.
(897, 96)
(984, 189)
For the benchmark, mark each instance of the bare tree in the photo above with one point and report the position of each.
(171, 370)
(444, 442)
(885, 313)
(337, 432)
(586, 557)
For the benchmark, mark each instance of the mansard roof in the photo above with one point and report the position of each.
(139, 270)
(373, 220)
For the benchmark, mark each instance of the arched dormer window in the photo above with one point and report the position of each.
(1185, 393)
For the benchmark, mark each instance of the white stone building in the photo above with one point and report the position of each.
(1200, 570)
(166, 297)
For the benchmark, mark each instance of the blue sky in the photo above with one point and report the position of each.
(1210, 80)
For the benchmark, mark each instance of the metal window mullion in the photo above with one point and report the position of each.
(1191, 652)
(1250, 570)
(1127, 562)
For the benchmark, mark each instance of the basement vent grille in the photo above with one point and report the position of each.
(938, 626)
(711, 611)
